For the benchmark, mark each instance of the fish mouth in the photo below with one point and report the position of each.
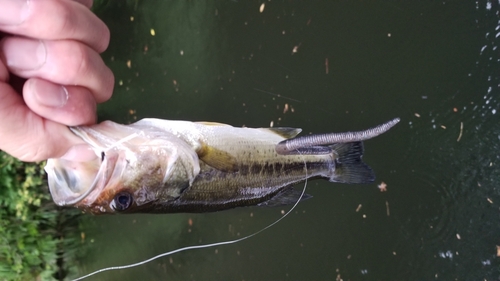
(71, 181)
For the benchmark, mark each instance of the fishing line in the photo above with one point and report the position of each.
(204, 245)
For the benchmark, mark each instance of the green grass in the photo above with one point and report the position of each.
(38, 240)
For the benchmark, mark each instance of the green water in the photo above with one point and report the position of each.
(356, 64)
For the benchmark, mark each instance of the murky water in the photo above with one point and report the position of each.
(340, 65)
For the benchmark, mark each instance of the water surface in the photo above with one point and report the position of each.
(340, 65)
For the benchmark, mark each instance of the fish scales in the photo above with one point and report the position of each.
(163, 166)
(215, 190)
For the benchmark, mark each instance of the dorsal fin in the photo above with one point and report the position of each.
(285, 132)
(208, 123)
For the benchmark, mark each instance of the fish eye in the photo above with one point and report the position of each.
(122, 201)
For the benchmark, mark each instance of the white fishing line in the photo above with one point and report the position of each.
(204, 245)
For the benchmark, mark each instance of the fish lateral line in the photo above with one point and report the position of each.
(315, 144)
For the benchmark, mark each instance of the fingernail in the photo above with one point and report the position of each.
(24, 53)
(49, 94)
(14, 12)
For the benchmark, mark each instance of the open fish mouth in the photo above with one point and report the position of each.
(69, 185)
(72, 181)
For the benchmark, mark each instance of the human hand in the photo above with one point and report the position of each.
(55, 45)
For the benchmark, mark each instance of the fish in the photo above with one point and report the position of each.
(174, 166)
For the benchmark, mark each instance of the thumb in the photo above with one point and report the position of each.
(26, 135)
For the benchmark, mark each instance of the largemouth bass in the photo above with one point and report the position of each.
(162, 166)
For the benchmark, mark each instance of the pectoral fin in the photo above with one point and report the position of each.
(286, 197)
(219, 159)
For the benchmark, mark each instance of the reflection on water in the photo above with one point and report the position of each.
(340, 66)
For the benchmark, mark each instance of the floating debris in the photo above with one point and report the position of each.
(285, 109)
(326, 66)
(489, 200)
(387, 208)
(498, 251)
(461, 130)
(443, 126)
(458, 236)
(382, 186)
(447, 254)
(455, 109)
(417, 115)
(129, 63)
(152, 31)
(359, 208)
(295, 49)
(262, 6)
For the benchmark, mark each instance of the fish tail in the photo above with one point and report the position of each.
(349, 167)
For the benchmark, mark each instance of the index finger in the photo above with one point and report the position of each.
(54, 20)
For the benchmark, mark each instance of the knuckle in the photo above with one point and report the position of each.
(106, 36)
(78, 65)
(62, 21)
(76, 62)
(83, 60)
(109, 83)
(31, 152)
(35, 155)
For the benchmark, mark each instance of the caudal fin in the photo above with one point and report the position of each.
(349, 168)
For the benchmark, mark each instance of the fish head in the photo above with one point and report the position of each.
(132, 167)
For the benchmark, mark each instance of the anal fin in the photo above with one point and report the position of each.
(286, 197)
